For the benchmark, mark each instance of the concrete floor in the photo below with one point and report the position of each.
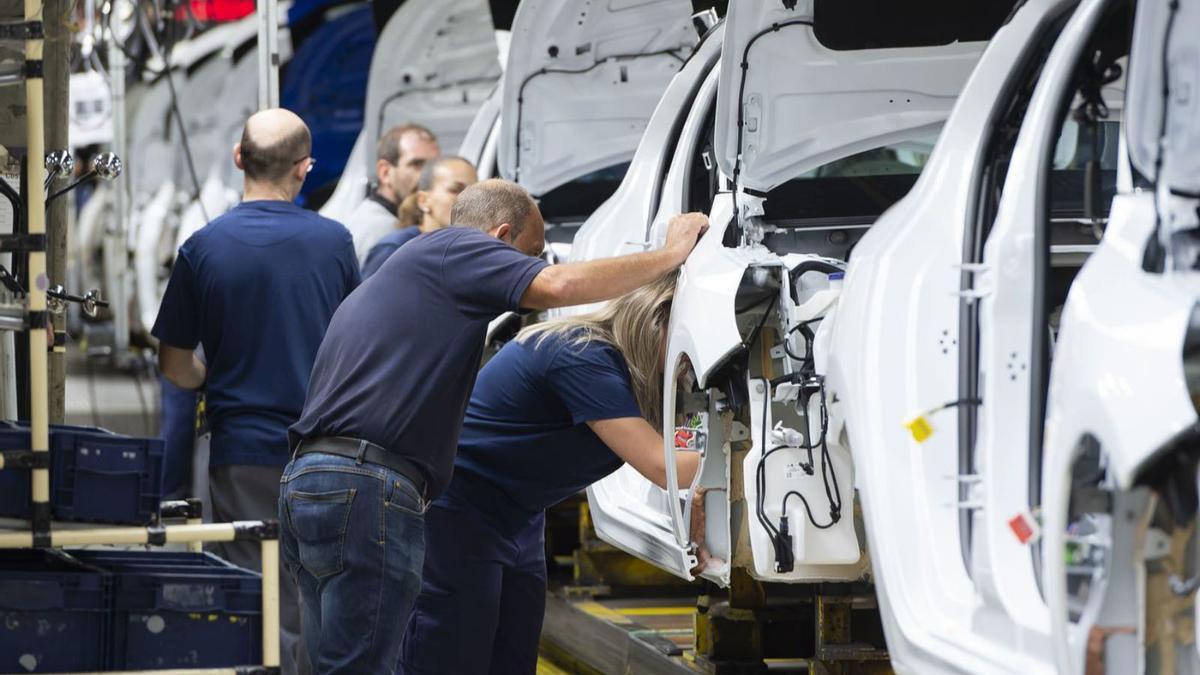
(120, 402)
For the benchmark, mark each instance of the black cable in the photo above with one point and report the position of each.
(788, 349)
(957, 403)
(14, 200)
(74, 184)
(780, 537)
(565, 71)
(183, 137)
(737, 165)
(766, 315)
(808, 510)
(828, 475)
(800, 325)
(425, 90)
(807, 359)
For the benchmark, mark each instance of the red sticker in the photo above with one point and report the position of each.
(1022, 528)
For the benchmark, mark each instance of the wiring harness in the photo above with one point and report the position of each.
(811, 385)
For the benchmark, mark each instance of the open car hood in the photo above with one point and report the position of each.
(581, 82)
(435, 63)
(804, 105)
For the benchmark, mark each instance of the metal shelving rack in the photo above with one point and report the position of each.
(34, 320)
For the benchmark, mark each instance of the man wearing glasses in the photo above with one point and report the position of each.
(256, 289)
(399, 157)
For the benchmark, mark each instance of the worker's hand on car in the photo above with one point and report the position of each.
(684, 231)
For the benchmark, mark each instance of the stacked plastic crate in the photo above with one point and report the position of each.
(105, 609)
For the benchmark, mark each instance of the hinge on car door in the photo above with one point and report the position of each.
(974, 483)
(751, 217)
(972, 293)
(976, 270)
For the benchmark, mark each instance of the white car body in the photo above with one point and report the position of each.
(434, 64)
(941, 329)
(579, 87)
(822, 107)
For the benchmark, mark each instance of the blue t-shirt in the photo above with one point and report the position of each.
(257, 288)
(402, 352)
(525, 443)
(386, 246)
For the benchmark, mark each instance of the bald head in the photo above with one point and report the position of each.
(273, 142)
(504, 210)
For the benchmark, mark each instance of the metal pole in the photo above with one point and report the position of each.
(36, 281)
(268, 54)
(116, 246)
(56, 55)
(170, 534)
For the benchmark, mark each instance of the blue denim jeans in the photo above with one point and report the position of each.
(352, 535)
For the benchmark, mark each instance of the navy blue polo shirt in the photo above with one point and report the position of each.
(525, 442)
(257, 288)
(386, 246)
(402, 352)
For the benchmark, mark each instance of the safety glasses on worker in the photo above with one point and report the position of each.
(311, 164)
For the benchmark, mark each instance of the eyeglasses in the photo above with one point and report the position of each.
(311, 164)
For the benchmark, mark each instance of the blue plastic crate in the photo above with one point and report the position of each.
(95, 475)
(54, 614)
(180, 610)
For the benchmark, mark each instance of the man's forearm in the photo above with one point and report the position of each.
(581, 283)
(181, 367)
(188, 376)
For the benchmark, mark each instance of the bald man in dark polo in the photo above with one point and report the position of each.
(257, 288)
(377, 438)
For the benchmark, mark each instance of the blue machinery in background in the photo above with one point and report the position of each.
(326, 84)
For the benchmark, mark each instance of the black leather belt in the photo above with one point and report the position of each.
(365, 452)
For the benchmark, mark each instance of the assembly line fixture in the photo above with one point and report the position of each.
(34, 319)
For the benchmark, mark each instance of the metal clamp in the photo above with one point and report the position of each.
(34, 69)
(57, 298)
(255, 530)
(29, 30)
(22, 242)
(182, 508)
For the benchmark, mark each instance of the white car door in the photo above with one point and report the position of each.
(434, 64)
(580, 85)
(941, 341)
(1122, 389)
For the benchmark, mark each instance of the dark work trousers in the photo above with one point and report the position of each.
(251, 492)
(482, 597)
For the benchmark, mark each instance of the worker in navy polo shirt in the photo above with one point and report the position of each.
(378, 435)
(256, 288)
(562, 406)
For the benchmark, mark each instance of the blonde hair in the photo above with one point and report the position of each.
(634, 325)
